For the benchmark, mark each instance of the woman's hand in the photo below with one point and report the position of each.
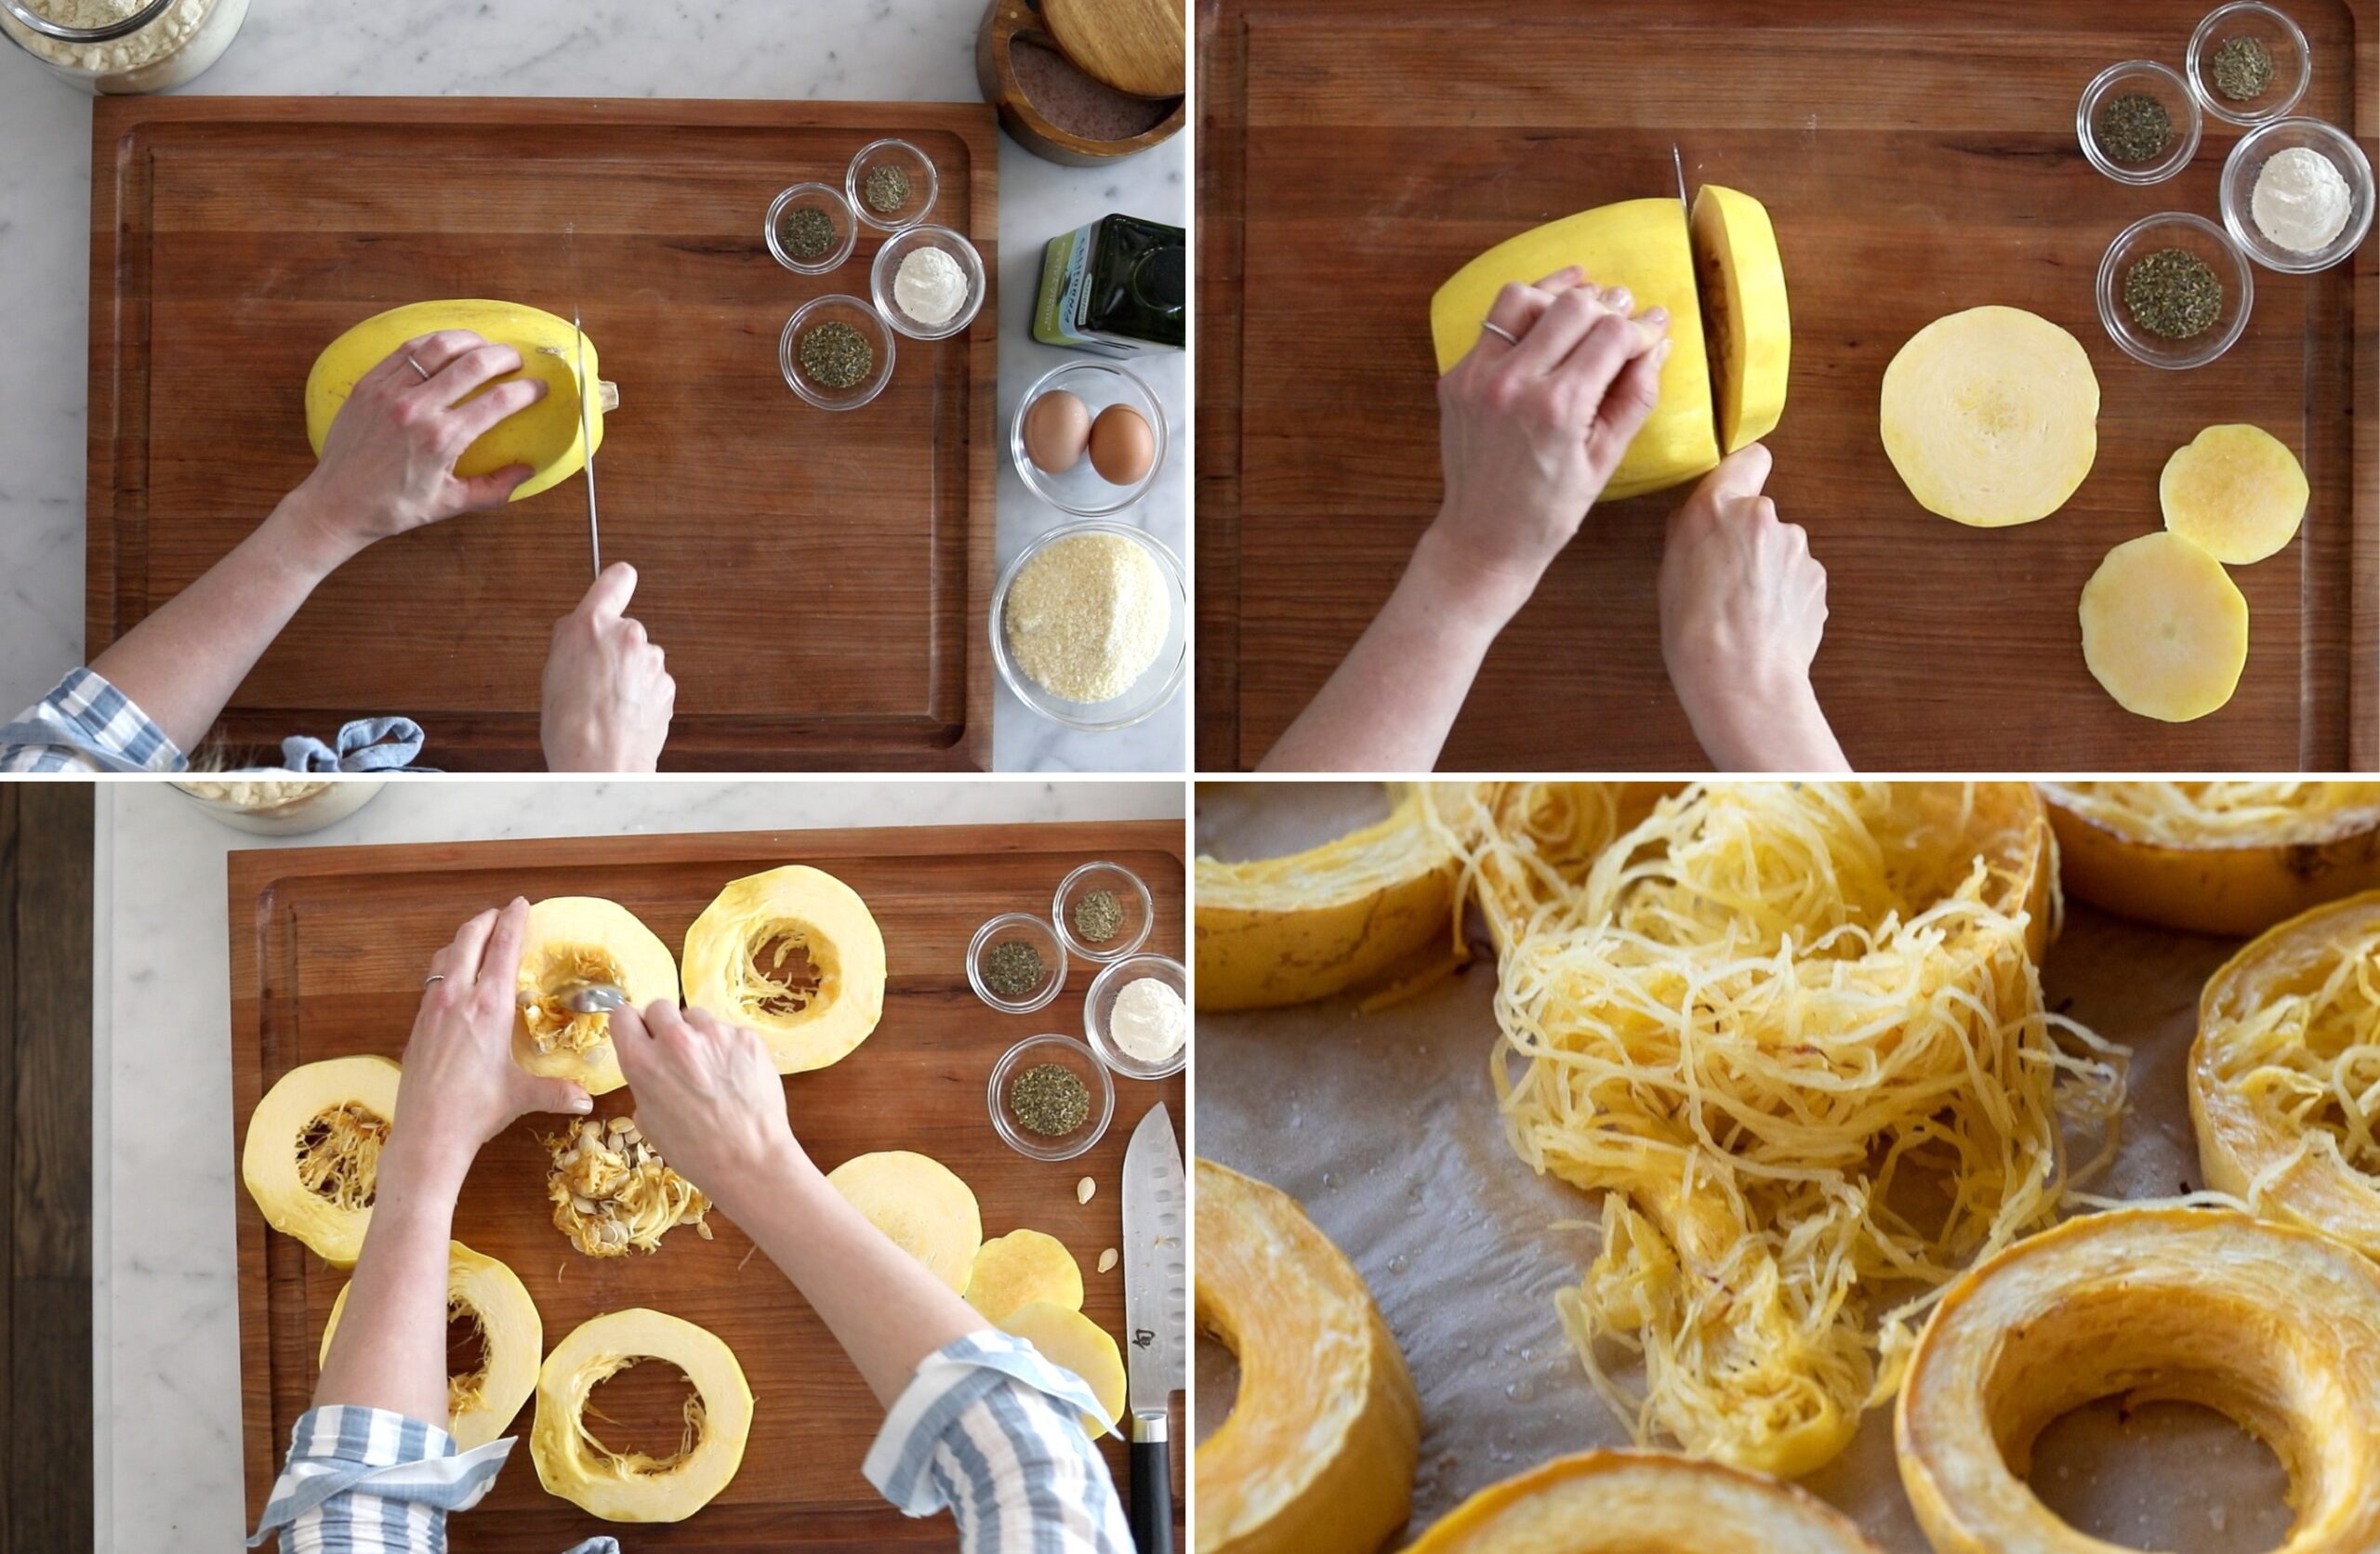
(388, 464)
(608, 698)
(1530, 433)
(1743, 608)
(461, 1086)
(707, 1097)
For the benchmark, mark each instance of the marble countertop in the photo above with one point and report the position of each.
(165, 1321)
(888, 50)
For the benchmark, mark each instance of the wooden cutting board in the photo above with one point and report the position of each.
(819, 580)
(1917, 158)
(328, 947)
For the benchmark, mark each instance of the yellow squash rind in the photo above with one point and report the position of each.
(1073, 1342)
(2164, 629)
(1022, 1268)
(846, 951)
(269, 1158)
(596, 1350)
(1744, 313)
(2236, 490)
(1991, 416)
(922, 1205)
(2235, 886)
(562, 927)
(514, 1338)
(1632, 1502)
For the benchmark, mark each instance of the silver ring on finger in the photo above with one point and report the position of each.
(419, 368)
(433, 976)
(1499, 332)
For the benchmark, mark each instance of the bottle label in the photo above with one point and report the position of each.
(1065, 263)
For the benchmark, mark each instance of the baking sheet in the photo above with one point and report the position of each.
(1384, 1127)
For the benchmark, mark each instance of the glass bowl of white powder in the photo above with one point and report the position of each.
(1089, 626)
(175, 47)
(1140, 1032)
(927, 282)
(2296, 195)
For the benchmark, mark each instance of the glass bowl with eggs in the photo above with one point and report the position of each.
(1088, 438)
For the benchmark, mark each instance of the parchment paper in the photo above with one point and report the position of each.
(1384, 1125)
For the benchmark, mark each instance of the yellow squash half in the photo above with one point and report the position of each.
(584, 938)
(513, 1338)
(1633, 1502)
(547, 437)
(793, 954)
(311, 1157)
(572, 1464)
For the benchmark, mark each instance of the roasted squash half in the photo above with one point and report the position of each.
(1633, 1502)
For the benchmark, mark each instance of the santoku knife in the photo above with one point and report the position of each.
(587, 435)
(1156, 1315)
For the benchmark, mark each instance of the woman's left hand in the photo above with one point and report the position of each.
(461, 1086)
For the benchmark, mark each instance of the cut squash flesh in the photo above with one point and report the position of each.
(577, 938)
(547, 436)
(1073, 1342)
(1991, 417)
(1021, 1269)
(793, 954)
(1637, 1502)
(2164, 629)
(2237, 491)
(512, 1338)
(572, 1464)
(922, 1205)
(311, 1156)
(1744, 315)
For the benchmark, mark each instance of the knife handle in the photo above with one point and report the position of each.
(1152, 1485)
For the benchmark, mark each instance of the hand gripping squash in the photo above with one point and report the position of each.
(547, 437)
(2281, 1074)
(2277, 1328)
(1289, 930)
(513, 1338)
(2231, 857)
(793, 954)
(311, 1157)
(922, 1205)
(1317, 1454)
(1991, 417)
(572, 1464)
(584, 938)
(1633, 1502)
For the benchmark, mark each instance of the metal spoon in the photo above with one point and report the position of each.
(108, 33)
(578, 998)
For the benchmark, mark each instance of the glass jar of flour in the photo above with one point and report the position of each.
(166, 43)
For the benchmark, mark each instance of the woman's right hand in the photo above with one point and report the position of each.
(607, 698)
(707, 1097)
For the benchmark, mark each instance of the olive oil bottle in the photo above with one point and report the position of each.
(1116, 287)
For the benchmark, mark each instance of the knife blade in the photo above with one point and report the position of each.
(1684, 205)
(587, 433)
(1155, 1316)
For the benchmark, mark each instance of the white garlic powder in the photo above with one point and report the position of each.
(1149, 1021)
(2301, 200)
(930, 286)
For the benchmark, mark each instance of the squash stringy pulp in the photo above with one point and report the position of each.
(1792, 1034)
(339, 1157)
(2311, 1054)
(553, 1025)
(637, 1464)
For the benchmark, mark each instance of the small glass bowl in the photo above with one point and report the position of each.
(1082, 490)
(2195, 234)
(1140, 916)
(1035, 931)
(2292, 63)
(1099, 1005)
(838, 211)
(909, 160)
(1079, 1060)
(2238, 192)
(1157, 682)
(2170, 90)
(888, 265)
(843, 310)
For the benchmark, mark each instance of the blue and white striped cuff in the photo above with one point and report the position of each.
(948, 1382)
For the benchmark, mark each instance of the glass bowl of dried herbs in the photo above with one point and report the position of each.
(890, 184)
(2249, 64)
(1016, 963)
(836, 353)
(2137, 121)
(1102, 912)
(2174, 290)
(1050, 1097)
(810, 229)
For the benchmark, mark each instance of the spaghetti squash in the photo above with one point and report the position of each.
(1640, 1502)
(2225, 857)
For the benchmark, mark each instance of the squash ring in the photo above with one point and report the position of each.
(2277, 1328)
(1626, 1502)
(795, 907)
(515, 1337)
(635, 1489)
(1317, 1456)
(2255, 1075)
(574, 938)
(365, 1087)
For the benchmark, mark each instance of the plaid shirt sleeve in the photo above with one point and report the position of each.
(86, 725)
(991, 1432)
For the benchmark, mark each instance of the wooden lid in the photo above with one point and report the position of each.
(1134, 46)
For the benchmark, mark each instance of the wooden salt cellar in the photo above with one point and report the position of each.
(1138, 48)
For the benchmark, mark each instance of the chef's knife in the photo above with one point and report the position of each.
(1684, 205)
(1156, 1314)
(587, 433)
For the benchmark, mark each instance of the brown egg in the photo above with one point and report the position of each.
(1122, 447)
(1056, 427)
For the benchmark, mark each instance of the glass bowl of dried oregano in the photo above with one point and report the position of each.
(1050, 1098)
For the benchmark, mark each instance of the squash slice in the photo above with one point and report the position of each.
(2237, 491)
(479, 1406)
(1632, 1502)
(1317, 1456)
(575, 939)
(922, 1205)
(1744, 314)
(1021, 1269)
(2164, 629)
(2274, 1328)
(574, 1465)
(793, 954)
(311, 1157)
(1991, 417)
(1073, 1342)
